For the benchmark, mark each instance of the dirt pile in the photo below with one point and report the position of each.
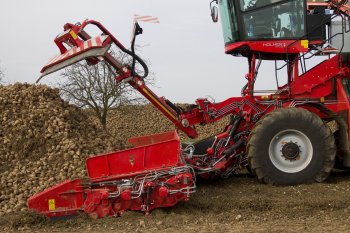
(130, 121)
(44, 140)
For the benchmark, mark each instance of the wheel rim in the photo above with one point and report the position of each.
(290, 151)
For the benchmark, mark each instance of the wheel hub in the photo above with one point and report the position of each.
(290, 151)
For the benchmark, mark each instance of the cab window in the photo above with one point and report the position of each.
(273, 19)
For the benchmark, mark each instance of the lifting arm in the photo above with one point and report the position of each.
(82, 46)
(76, 45)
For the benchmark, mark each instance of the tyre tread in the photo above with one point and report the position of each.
(285, 114)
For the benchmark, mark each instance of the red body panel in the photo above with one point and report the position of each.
(63, 199)
(155, 138)
(163, 153)
(278, 46)
(313, 83)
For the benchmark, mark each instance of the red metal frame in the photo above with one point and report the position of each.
(142, 178)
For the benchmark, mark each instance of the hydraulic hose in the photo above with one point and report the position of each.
(173, 106)
(230, 150)
(138, 31)
(235, 122)
(138, 59)
(120, 45)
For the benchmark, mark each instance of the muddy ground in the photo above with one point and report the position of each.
(238, 204)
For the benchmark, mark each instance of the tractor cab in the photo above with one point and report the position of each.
(244, 20)
(270, 26)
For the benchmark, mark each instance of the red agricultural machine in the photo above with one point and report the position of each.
(282, 136)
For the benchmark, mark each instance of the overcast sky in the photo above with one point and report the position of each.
(186, 49)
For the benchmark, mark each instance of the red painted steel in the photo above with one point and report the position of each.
(275, 47)
(63, 199)
(162, 153)
(155, 138)
(97, 42)
(316, 82)
(142, 178)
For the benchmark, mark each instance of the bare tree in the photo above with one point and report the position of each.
(95, 87)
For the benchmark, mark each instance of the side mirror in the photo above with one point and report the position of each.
(214, 14)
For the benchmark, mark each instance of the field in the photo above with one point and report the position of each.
(237, 204)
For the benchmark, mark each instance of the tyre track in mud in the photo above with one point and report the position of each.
(238, 204)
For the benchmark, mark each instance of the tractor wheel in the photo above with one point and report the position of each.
(291, 146)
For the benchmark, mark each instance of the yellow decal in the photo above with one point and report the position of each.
(131, 160)
(52, 204)
(322, 99)
(72, 33)
(159, 103)
(304, 43)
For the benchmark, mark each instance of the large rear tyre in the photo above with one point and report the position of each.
(291, 146)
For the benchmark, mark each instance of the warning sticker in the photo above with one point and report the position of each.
(52, 204)
(304, 43)
(73, 35)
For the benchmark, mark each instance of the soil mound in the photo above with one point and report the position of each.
(44, 139)
(131, 121)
